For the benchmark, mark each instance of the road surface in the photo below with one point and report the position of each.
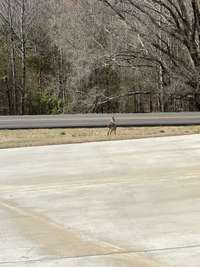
(111, 204)
(99, 120)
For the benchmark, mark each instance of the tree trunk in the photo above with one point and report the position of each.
(23, 59)
(161, 87)
(13, 94)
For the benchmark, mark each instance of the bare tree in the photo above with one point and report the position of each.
(158, 24)
(99, 55)
(17, 17)
(7, 18)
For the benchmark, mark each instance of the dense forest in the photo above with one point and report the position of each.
(80, 56)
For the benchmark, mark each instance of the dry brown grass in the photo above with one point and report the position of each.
(23, 138)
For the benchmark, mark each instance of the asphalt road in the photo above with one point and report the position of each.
(99, 120)
(111, 204)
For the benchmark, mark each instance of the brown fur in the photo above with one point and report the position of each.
(112, 127)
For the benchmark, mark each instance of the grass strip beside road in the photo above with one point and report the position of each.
(25, 138)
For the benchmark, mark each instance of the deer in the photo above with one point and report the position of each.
(112, 127)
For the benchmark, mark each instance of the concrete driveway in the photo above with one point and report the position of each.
(110, 204)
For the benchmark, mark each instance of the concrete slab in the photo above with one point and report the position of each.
(110, 204)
